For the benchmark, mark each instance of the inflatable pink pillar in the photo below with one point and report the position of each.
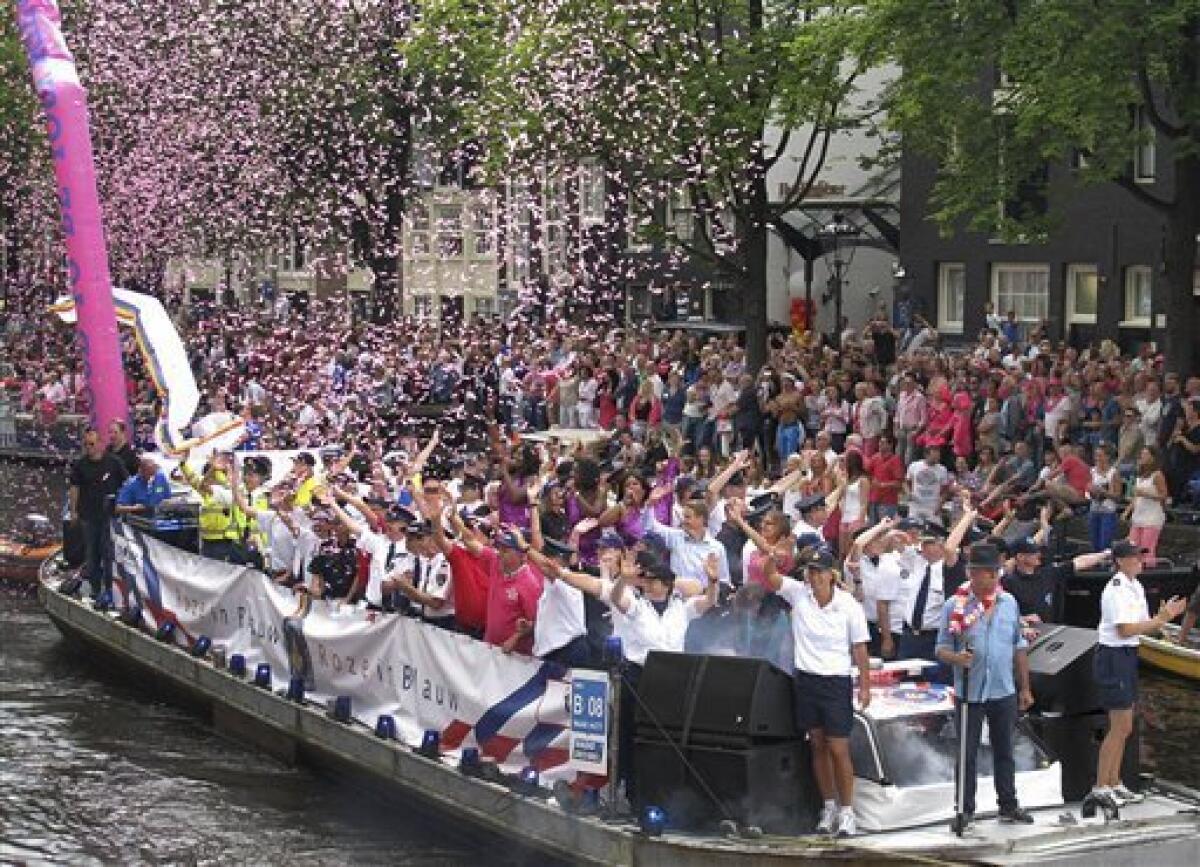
(65, 104)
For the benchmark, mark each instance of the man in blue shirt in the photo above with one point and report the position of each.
(981, 633)
(142, 492)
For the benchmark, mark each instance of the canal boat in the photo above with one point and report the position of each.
(24, 548)
(904, 808)
(1167, 654)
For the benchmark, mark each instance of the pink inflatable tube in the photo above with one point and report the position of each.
(65, 104)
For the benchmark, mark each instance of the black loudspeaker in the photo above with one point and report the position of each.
(1075, 742)
(721, 700)
(768, 785)
(1060, 670)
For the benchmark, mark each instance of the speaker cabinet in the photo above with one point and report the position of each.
(717, 699)
(768, 785)
(1060, 670)
(1075, 742)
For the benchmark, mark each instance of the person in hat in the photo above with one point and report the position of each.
(650, 611)
(560, 630)
(304, 478)
(830, 635)
(513, 590)
(1039, 587)
(1124, 619)
(936, 573)
(389, 557)
(980, 635)
(428, 583)
(814, 512)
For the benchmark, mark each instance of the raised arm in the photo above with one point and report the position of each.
(957, 534)
(418, 464)
(739, 462)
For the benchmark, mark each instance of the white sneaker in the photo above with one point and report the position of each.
(828, 818)
(847, 825)
(1124, 796)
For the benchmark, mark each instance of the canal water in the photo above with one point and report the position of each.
(94, 770)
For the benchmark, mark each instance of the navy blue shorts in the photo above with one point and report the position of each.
(824, 703)
(1115, 672)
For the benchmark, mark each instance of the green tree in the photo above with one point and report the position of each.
(1074, 74)
(703, 97)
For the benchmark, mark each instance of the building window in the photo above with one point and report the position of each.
(450, 231)
(1139, 295)
(591, 193)
(683, 215)
(952, 293)
(423, 305)
(1144, 156)
(481, 226)
(485, 306)
(294, 258)
(1082, 294)
(1024, 289)
(418, 227)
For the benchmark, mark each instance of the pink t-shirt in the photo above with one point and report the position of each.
(510, 598)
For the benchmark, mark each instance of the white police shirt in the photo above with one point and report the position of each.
(935, 597)
(884, 582)
(1123, 601)
(560, 616)
(823, 636)
(380, 548)
(431, 575)
(642, 629)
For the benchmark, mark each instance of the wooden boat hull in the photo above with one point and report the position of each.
(1165, 655)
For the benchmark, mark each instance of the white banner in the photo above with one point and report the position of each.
(513, 708)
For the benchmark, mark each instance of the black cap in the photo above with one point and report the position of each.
(813, 501)
(259, 465)
(508, 539)
(654, 566)
(401, 514)
(982, 556)
(306, 458)
(557, 548)
(1024, 546)
(908, 524)
(763, 501)
(419, 528)
(819, 558)
(610, 539)
(470, 480)
(809, 540)
(1127, 549)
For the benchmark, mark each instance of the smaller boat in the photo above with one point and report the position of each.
(1167, 654)
(25, 547)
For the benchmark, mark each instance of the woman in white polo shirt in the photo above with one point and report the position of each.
(1124, 618)
(830, 632)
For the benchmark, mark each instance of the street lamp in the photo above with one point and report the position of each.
(833, 233)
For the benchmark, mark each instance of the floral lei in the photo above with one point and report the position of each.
(967, 609)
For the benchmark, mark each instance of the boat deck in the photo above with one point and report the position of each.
(1163, 830)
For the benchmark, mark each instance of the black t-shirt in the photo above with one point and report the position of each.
(98, 482)
(337, 567)
(127, 457)
(1040, 593)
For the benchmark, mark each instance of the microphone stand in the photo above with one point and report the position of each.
(960, 817)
